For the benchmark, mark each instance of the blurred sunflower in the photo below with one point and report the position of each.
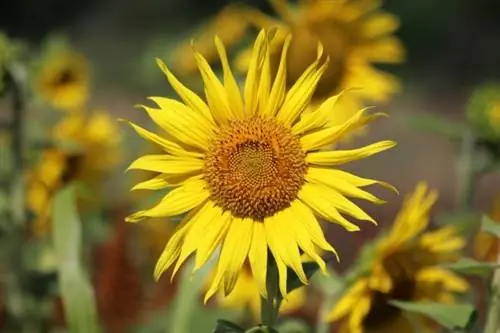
(62, 80)
(246, 295)
(86, 148)
(247, 170)
(355, 34)
(405, 267)
(487, 246)
(229, 25)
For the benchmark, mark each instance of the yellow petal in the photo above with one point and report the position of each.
(348, 302)
(170, 165)
(212, 237)
(379, 25)
(298, 97)
(330, 135)
(233, 254)
(327, 177)
(315, 197)
(311, 224)
(252, 79)
(338, 157)
(171, 147)
(180, 200)
(387, 50)
(278, 89)
(258, 257)
(447, 279)
(184, 126)
(318, 118)
(189, 97)
(215, 92)
(199, 222)
(283, 244)
(232, 88)
(173, 248)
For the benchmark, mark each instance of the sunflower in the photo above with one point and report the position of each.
(63, 80)
(246, 295)
(86, 147)
(487, 246)
(405, 267)
(354, 33)
(247, 171)
(229, 25)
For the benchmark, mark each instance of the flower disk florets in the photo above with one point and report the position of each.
(255, 168)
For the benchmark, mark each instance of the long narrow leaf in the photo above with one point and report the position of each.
(76, 291)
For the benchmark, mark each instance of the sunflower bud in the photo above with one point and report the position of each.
(483, 112)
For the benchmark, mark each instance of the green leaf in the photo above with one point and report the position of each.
(76, 291)
(451, 316)
(471, 267)
(490, 226)
(224, 326)
(293, 281)
(435, 124)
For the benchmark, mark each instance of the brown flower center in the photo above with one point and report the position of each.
(381, 311)
(303, 52)
(255, 168)
(67, 76)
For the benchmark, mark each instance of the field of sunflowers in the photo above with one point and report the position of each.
(271, 166)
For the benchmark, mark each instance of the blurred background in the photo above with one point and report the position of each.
(452, 46)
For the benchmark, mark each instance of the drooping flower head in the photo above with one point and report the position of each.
(62, 78)
(247, 170)
(405, 267)
(86, 148)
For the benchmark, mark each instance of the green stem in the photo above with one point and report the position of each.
(467, 175)
(269, 308)
(493, 319)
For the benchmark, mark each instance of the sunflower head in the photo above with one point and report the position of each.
(92, 142)
(246, 168)
(483, 111)
(405, 267)
(62, 78)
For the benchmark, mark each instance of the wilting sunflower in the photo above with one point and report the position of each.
(246, 295)
(487, 246)
(63, 80)
(230, 25)
(355, 34)
(405, 267)
(247, 171)
(86, 147)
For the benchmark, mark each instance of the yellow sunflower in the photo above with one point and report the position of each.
(355, 34)
(246, 295)
(405, 268)
(487, 246)
(87, 146)
(246, 169)
(63, 80)
(229, 25)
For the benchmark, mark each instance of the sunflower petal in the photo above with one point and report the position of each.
(338, 157)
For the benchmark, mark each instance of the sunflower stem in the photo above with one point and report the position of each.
(467, 175)
(269, 307)
(493, 319)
